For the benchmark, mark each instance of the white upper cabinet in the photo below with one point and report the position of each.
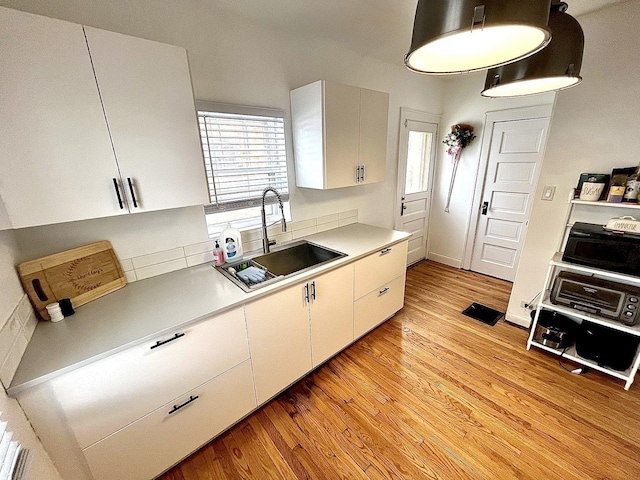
(148, 101)
(56, 158)
(61, 159)
(340, 135)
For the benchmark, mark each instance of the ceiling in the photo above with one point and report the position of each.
(376, 28)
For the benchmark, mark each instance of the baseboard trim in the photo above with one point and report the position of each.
(518, 319)
(452, 262)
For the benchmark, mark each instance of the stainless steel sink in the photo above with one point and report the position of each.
(280, 264)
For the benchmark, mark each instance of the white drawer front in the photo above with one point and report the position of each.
(373, 309)
(379, 268)
(156, 442)
(111, 393)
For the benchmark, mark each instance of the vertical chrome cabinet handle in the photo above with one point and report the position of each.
(313, 289)
(383, 291)
(358, 174)
(306, 292)
(163, 342)
(115, 185)
(385, 251)
(192, 398)
(362, 173)
(133, 194)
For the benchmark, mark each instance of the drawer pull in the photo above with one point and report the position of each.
(313, 289)
(162, 342)
(383, 291)
(385, 251)
(175, 408)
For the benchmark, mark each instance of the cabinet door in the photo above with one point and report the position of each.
(374, 121)
(107, 395)
(279, 340)
(56, 156)
(341, 134)
(331, 313)
(377, 306)
(149, 105)
(154, 443)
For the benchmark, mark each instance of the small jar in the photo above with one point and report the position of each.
(55, 312)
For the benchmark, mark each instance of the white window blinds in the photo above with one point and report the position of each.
(243, 154)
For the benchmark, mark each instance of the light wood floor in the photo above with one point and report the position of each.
(434, 394)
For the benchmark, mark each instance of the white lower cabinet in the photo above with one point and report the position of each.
(109, 394)
(379, 287)
(331, 313)
(295, 330)
(374, 308)
(279, 338)
(157, 441)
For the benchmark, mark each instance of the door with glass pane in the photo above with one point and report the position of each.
(415, 167)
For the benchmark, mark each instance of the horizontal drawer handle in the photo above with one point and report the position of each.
(383, 291)
(162, 342)
(175, 408)
(385, 251)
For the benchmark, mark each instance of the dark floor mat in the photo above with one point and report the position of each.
(484, 314)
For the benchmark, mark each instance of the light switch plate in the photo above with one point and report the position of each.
(548, 192)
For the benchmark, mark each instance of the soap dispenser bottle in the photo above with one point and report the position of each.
(231, 244)
(218, 255)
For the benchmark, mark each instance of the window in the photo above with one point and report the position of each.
(244, 152)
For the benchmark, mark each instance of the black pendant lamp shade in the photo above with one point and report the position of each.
(555, 67)
(454, 36)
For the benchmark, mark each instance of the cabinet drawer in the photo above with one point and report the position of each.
(374, 308)
(379, 268)
(102, 397)
(154, 443)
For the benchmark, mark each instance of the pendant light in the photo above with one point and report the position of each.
(555, 67)
(454, 36)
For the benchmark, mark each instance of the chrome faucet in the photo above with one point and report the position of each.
(265, 240)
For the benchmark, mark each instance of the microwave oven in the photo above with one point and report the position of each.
(593, 246)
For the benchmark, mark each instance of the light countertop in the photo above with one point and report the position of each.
(147, 309)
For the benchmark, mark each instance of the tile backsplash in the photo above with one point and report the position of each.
(14, 336)
(145, 266)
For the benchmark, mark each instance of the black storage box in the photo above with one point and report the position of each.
(607, 347)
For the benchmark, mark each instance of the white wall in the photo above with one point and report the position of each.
(463, 104)
(595, 128)
(10, 295)
(235, 61)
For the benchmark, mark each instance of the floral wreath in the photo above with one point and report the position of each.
(460, 137)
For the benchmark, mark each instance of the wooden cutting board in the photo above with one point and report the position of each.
(82, 274)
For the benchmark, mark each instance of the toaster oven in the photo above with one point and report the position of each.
(605, 298)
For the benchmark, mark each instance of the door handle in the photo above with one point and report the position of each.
(403, 207)
(115, 185)
(485, 207)
(306, 292)
(362, 173)
(358, 174)
(313, 289)
(133, 194)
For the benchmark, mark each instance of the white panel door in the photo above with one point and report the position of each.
(149, 105)
(515, 159)
(414, 183)
(55, 153)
